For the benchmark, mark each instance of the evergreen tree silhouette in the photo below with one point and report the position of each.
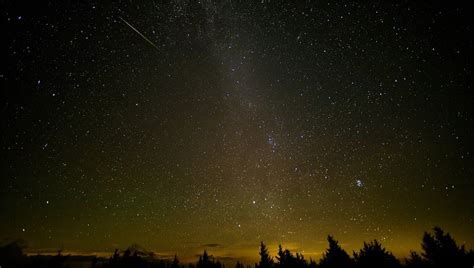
(416, 261)
(265, 260)
(175, 263)
(113, 261)
(287, 260)
(373, 255)
(282, 258)
(206, 262)
(128, 259)
(440, 250)
(335, 256)
(298, 261)
(312, 264)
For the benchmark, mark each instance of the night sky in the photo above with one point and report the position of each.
(219, 124)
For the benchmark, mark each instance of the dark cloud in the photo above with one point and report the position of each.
(212, 245)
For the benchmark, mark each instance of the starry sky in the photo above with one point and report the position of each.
(186, 125)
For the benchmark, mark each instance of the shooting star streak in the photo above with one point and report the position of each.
(139, 33)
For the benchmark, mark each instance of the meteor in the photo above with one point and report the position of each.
(139, 33)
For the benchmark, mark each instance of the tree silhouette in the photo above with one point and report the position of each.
(312, 264)
(126, 260)
(415, 261)
(287, 260)
(335, 256)
(440, 250)
(203, 261)
(282, 257)
(206, 262)
(373, 255)
(175, 263)
(265, 260)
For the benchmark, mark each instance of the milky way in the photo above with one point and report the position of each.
(220, 124)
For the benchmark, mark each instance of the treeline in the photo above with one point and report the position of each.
(439, 250)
